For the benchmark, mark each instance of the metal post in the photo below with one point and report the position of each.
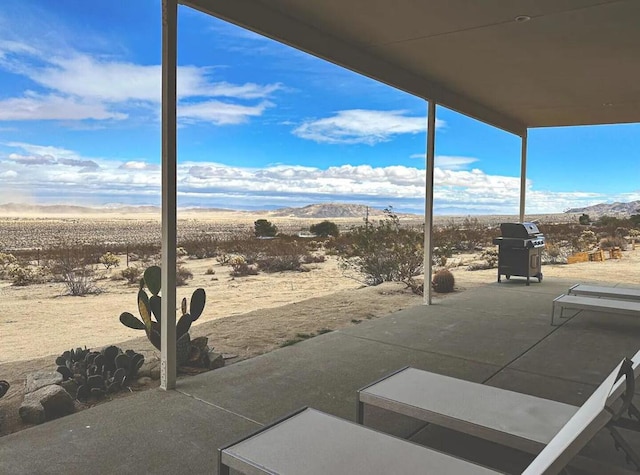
(523, 175)
(428, 203)
(169, 193)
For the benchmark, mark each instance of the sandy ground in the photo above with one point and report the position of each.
(39, 320)
(244, 316)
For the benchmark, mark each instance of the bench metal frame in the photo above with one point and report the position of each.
(600, 291)
(605, 305)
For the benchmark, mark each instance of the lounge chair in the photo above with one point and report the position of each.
(310, 442)
(599, 291)
(604, 305)
(508, 418)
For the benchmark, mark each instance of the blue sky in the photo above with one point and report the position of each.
(260, 125)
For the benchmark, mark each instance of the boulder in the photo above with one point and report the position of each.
(150, 368)
(144, 381)
(40, 379)
(216, 360)
(45, 404)
(71, 386)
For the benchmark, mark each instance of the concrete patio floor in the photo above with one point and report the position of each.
(498, 334)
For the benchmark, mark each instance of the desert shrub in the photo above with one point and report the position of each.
(264, 228)
(131, 274)
(313, 258)
(385, 251)
(325, 229)
(443, 281)
(109, 260)
(281, 255)
(209, 271)
(563, 232)
(491, 257)
(6, 260)
(584, 219)
(488, 260)
(223, 258)
(182, 275)
(613, 241)
(441, 254)
(279, 263)
(621, 232)
(22, 275)
(466, 236)
(201, 247)
(80, 281)
(339, 245)
(240, 268)
(473, 234)
(586, 240)
(551, 254)
(609, 224)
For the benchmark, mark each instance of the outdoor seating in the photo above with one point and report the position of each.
(312, 442)
(600, 291)
(604, 305)
(508, 418)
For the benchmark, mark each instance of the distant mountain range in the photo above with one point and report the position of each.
(609, 209)
(315, 211)
(327, 210)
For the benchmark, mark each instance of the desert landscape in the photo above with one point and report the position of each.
(244, 315)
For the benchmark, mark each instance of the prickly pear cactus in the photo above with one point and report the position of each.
(98, 373)
(149, 308)
(4, 387)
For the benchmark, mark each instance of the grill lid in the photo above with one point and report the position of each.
(519, 230)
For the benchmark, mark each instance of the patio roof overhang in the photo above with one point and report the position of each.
(515, 65)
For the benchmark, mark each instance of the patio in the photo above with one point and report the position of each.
(499, 334)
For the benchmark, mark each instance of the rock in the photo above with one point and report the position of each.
(40, 379)
(150, 368)
(45, 404)
(71, 386)
(216, 360)
(144, 381)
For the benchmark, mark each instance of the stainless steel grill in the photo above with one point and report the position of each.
(520, 251)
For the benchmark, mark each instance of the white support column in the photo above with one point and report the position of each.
(169, 192)
(428, 202)
(523, 175)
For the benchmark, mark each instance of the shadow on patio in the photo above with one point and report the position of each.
(499, 334)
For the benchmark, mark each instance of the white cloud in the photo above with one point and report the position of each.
(448, 162)
(362, 126)
(78, 86)
(52, 107)
(48, 155)
(65, 173)
(139, 165)
(220, 113)
(9, 174)
(32, 159)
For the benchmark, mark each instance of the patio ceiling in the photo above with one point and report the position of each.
(575, 62)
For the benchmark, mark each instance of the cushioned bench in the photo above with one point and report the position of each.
(605, 305)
